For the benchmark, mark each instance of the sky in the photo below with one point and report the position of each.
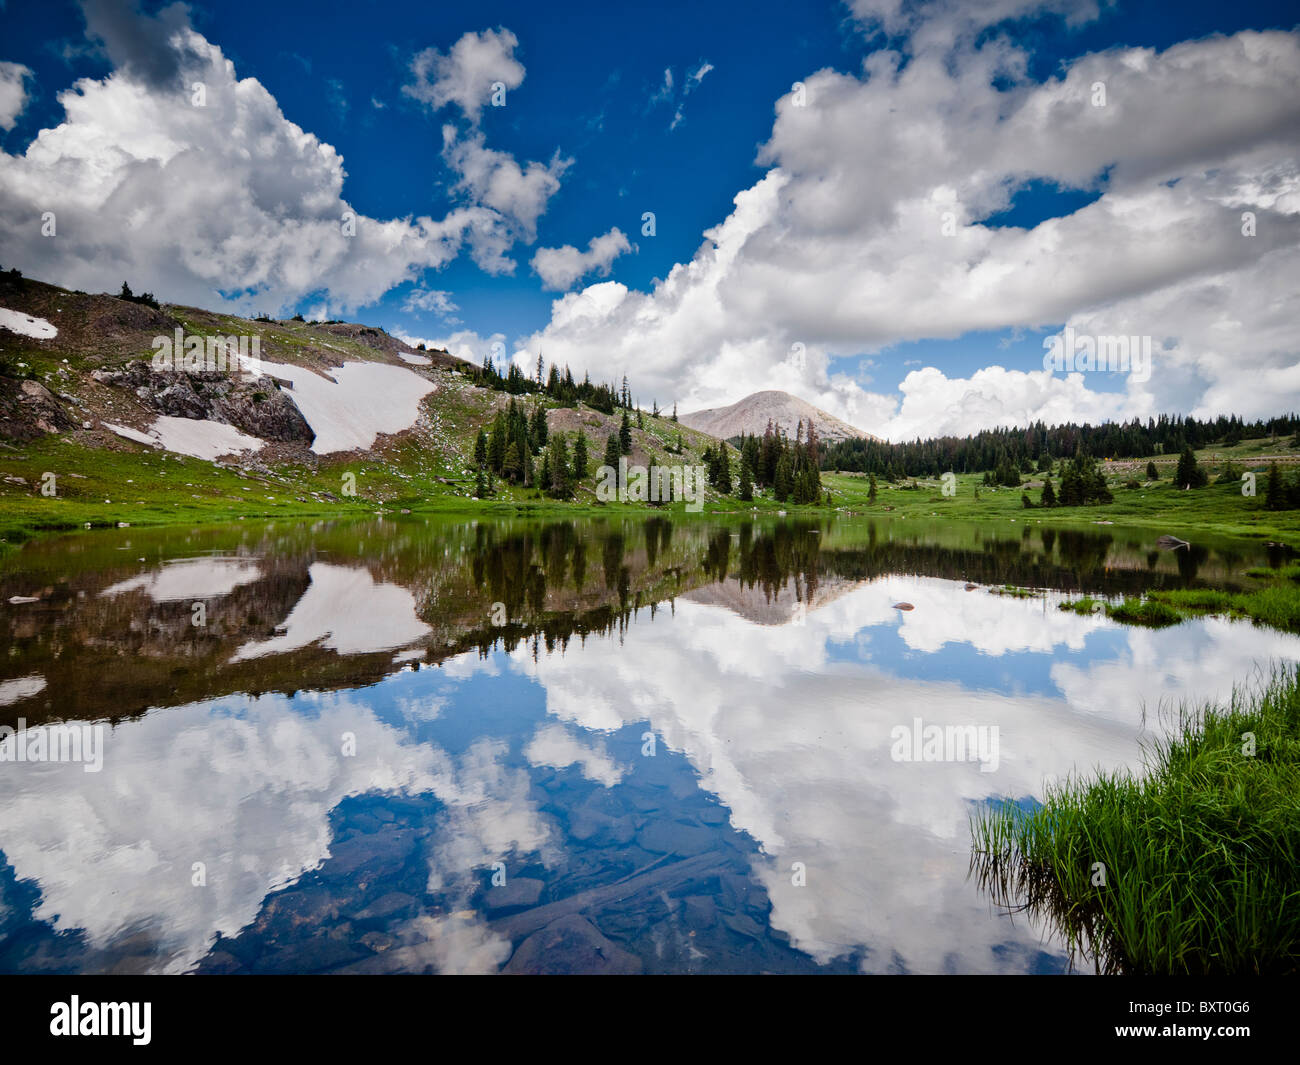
(891, 209)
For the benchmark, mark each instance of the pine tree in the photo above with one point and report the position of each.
(675, 416)
(1153, 474)
(537, 430)
(625, 434)
(872, 490)
(783, 481)
(613, 451)
(480, 449)
(1189, 474)
(513, 467)
(560, 484)
(497, 443)
(580, 456)
(1275, 494)
(480, 483)
(746, 481)
(1049, 494)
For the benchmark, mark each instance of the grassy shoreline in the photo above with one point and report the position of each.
(1192, 868)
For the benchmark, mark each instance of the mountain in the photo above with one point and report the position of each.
(751, 415)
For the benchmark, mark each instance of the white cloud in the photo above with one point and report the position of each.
(466, 74)
(230, 204)
(436, 301)
(698, 74)
(559, 268)
(515, 196)
(840, 246)
(13, 93)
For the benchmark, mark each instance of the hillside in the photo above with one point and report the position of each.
(751, 415)
(126, 442)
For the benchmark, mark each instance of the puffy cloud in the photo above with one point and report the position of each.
(436, 301)
(842, 246)
(13, 93)
(150, 48)
(515, 196)
(559, 268)
(218, 199)
(466, 74)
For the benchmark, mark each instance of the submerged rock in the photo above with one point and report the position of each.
(571, 945)
(517, 893)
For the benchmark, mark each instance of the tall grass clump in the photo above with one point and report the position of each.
(1199, 857)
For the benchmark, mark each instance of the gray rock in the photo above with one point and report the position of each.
(671, 837)
(571, 945)
(516, 893)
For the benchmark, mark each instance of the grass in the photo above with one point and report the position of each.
(1149, 612)
(1199, 858)
(1276, 605)
(1158, 505)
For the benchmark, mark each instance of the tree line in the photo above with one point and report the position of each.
(1036, 446)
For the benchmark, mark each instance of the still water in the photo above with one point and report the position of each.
(563, 746)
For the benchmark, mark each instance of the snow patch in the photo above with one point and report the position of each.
(191, 578)
(198, 437)
(26, 325)
(360, 400)
(348, 612)
(11, 691)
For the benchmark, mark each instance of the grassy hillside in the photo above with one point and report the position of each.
(54, 410)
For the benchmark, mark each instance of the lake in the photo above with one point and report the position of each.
(599, 745)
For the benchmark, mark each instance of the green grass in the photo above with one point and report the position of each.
(1149, 612)
(1201, 855)
(1158, 505)
(1086, 605)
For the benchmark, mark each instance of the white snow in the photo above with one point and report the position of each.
(199, 437)
(414, 360)
(362, 400)
(26, 325)
(348, 612)
(11, 691)
(132, 434)
(191, 578)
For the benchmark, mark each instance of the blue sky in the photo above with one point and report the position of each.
(594, 107)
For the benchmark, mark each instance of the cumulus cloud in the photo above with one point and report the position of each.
(559, 268)
(226, 203)
(13, 93)
(466, 74)
(842, 245)
(516, 196)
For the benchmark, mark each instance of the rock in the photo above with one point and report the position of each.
(744, 924)
(904, 606)
(971, 587)
(670, 837)
(393, 904)
(377, 941)
(381, 853)
(220, 963)
(517, 893)
(571, 945)
(701, 911)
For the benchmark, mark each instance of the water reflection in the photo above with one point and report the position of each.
(670, 751)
